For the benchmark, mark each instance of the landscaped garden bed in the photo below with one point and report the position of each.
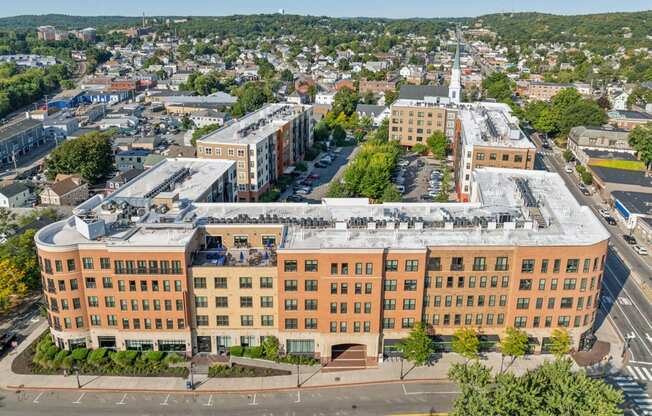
(239, 370)
(43, 357)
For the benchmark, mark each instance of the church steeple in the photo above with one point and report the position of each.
(455, 86)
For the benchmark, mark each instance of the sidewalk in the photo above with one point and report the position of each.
(387, 372)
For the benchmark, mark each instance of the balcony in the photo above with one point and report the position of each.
(236, 257)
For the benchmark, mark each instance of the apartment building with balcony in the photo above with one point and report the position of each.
(412, 121)
(265, 145)
(170, 262)
(489, 136)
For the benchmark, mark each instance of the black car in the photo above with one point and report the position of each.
(6, 339)
(629, 239)
(320, 165)
(610, 220)
(294, 198)
(426, 197)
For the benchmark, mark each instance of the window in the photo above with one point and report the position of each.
(310, 285)
(246, 320)
(525, 284)
(483, 281)
(90, 283)
(369, 268)
(544, 266)
(368, 287)
(522, 303)
(333, 326)
(469, 301)
(505, 282)
(290, 265)
(389, 285)
(246, 301)
(460, 282)
(358, 289)
(539, 303)
(310, 304)
(222, 320)
(343, 307)
(527, 266)
(95, 320)
(551, 303)
(434, 263)
(572, 265)
(479, 264)
(409, 304)
(344, 288)
(410, 285)
(266, 302)
(494, 281)
(411, 265)
(438, 282)
(199, 282)
(220, 282)
(358, 268)
(334, 268)
(107, 283)
(389, 304)
(291, 285)
(93, 302)
(569, 284)
(71, 265)
(448, 301)
(310, 323)
(105, 263)
(291, 305)
(267, 320)
(553, 284)
(391, 265)
(566, 303)
(520, 322)
(345, 268)
(246, 283)
(221, 302)
(310, 265)
(556, 266)
(266, 283)
(502, 301)
(587, 265)
(457, 263)
(74, 284)
(563, 321)
(87, 263)
(333, 307)
(407, 323)
(202, 320)
(388, 323)
(333, 288)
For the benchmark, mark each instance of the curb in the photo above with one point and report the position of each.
(21, 387)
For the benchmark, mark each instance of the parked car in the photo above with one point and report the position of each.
(6, 339)
(640, 250)
(400, 188)
(610, 220)
(585, 192)
(545, 144)
(404, 163)
(321, 165)
(426, 197)
(294, 198)
(303, 190)
(568, 169)
(604, 212)
(629, 239)
(314, 176)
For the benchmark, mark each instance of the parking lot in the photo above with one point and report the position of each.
(323, 176)
(419, 182)
(366, 400)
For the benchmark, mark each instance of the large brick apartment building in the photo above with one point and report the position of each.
(265, 144)
(169, 262)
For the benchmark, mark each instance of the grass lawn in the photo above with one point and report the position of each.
(620, 164)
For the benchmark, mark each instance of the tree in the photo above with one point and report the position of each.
(603, 102)
(339, 135)
(438, 145)
(345, 101)
(322, 131)
(391, 194)
(382, 134)
(641, 140)
(251, 97)
(498, 86)
(287, 75)
(466, 343)
(417, 347)
(551, 389)
(201, 132)
(560, 343)
(369, 97)
(390, 97)
(90, 156)
(420, 148)
(12, 283)
(270, 347)
(186, 123)
(513, 344)
(568, 155)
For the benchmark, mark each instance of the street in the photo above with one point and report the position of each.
(369, 400)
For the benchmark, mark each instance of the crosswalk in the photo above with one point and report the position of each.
(640, 373)
(635, 394)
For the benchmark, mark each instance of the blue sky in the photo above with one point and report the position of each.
(383, 8)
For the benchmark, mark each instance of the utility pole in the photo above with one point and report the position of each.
(298, 375)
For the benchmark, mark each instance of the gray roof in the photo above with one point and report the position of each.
(13, 189)
(635, 202)
(419, 92)
(629, 114)
(582, 131)
(627, 177)
(11, 129)
(370, 109)
(603, 154)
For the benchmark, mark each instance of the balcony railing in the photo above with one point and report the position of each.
(236, 257)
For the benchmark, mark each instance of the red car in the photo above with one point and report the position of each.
(314, 176)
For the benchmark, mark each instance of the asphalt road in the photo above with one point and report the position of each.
(373, 400)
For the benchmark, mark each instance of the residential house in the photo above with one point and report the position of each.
(14, 195)
(66, 190)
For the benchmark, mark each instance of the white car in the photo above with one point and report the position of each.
(605, 212)
(303, 191)
(400, 188)
(640, 250)
(568, 169)
(404, 163)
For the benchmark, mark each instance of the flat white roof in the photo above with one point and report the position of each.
(491, 124)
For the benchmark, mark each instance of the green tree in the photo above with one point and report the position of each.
(641, 140)
(251, 97)
(420, 148)
(345, 101)
(12, 283)
(390, 97)
(560, 343)
(568, 155)
(201, 132)
(438, 145)
(466, 343)
(417, 347)
(474, 381)
(90, 156)
(287, 75)
(339, 135)
(498, 86)
(270, 347)
(322, 131)
(514, 344)
(391, 194)
(382, 134)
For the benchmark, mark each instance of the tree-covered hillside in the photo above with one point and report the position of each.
(63, 21)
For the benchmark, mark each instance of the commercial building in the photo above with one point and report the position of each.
(603, 139)
(266, 144)
(412, 121)
(489, 137)
(625, 119)
(544, 91)
(19, 137)
(164, 264)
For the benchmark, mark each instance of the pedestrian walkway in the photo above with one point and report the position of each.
(643, 373)
(635, 394)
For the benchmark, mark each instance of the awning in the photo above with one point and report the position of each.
(489, 338)
(533, 341)
(391, 342)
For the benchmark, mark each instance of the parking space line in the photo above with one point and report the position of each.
(298, 400)
(165, 402)
(123, 399)
(78, 401)
(253, 402)
(210, 401)
(38, 397)
(410, 393)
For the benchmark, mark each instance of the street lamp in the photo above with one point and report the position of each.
(298, 375)
(76, 370)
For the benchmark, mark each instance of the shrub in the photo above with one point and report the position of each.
(97, 357)
(299, 359)
(79, 354)
(226, 371)
(67, 362)
(254, 352)
(420, 148)
(154, 356)
(44, 344)
(172, 358)
(301, 166)
(270, 348)
(51, 352)
(236, 350)
(124, 358)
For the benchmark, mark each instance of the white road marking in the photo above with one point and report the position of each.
(641, 362)
(647, 373)
(210, 401)
(165, 402)
(633, 374)
(633, 303)
(122, 401)
(298, 400)
(253, 402)
(640, 373)
(410, 393)
(624, 301)
(38, 397)
(628, 321)
(80, 398)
